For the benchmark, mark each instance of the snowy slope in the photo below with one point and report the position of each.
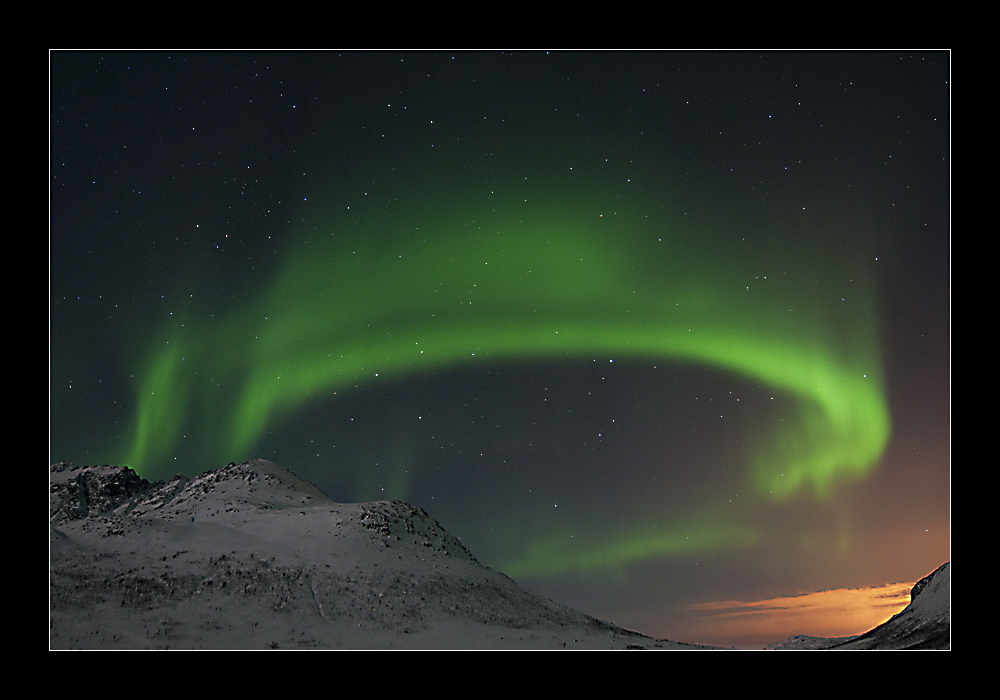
(923, 624)
(252, 557)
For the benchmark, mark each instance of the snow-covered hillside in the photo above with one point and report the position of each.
(923, 624)
(252, 557)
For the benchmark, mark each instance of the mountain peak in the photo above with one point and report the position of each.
(251, 556)
(257, 482)
(79, 492)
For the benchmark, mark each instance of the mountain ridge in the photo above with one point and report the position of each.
(251, 556)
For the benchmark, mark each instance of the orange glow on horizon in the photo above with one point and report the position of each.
(842, 612)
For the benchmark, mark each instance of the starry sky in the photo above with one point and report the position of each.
(663, 335)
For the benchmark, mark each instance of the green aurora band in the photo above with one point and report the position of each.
(404, 293)
(609, 554)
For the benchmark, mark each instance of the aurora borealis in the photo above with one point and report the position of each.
(646, 330)
(538, 286)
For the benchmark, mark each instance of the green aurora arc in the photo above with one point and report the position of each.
(411, 292)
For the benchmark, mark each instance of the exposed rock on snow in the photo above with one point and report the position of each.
(251, 556)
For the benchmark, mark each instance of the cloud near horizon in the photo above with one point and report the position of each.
(841, 612)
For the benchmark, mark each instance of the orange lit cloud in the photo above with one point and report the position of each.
(841, 612)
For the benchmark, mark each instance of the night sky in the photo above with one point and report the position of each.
(664, 336)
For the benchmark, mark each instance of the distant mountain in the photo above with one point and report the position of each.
(923, 624)
(252, 557)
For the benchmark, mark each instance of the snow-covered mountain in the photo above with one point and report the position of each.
(252, 557)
